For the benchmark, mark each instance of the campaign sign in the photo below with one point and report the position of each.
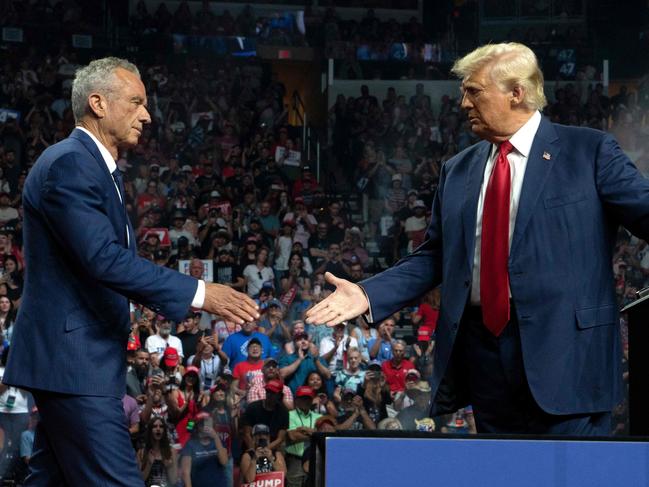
(208, 269)
(270, 479)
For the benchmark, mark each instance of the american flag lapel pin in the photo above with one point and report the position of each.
(547, 156)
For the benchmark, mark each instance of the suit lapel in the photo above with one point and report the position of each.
(123, 221)
(543, 155)
(475, 174)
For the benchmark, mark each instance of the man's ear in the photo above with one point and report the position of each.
(97, 104)
(517, 95)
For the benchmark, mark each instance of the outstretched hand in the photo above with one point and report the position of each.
(230, 304)
(346, 302)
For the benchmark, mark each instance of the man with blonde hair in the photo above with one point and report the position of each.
(521, 239)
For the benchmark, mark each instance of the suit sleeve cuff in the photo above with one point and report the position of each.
(368, 315)
(199, 297)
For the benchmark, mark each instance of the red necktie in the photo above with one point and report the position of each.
(494, 245)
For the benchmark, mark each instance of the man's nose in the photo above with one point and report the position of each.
(465, 103)
(144, 116)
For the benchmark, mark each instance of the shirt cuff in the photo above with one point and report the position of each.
(199, 297)
(368, 315)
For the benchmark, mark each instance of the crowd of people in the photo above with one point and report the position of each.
(217, 187)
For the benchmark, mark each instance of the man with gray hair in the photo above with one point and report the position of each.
(69, 340)
(521, 239)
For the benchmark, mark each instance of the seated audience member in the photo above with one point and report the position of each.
(157, 460)
(137, 375)
(416, 417)
(380, 348)
(259, 273)
(236, 345)
(131, 416)
(375, 393)
(185, 403)
(269, 411)
(352, 414)
(324, 424)
(401, 399)
(244, 371)
(423, 353)
(225, 419)
(27, 445)
(301, 425)
(351, 377)
(209, 360)
(425, 318)
(262, 456)
(395, 368)
(14, 409)
(274, 326)
(190, 335)
(295, 367)
(203, 459)
(163, 339)
(363, 334)
(333, 349)
(257, 389)
(322, 402)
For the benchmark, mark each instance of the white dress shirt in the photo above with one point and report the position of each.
(199, 297)
(522, 142)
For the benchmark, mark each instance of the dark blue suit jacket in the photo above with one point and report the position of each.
(71, 332)
(560, 266)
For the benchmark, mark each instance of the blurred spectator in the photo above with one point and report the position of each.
(259, 273)
(257, 390)
(272, 411)
(395, 368)
(137, 375)
(415, 417)
(185, 403)
(262, 456)
(209, 360)
(334, 348)
(246, 369)
(157, 459)
(14, 410)
(163, 339)
(203, 459)
(295, 367)
(27, 444)
(236, 345)
(351, 377)
(380, 348)
(301, 425)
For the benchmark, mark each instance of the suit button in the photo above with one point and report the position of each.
(454, 326)
(467, 283)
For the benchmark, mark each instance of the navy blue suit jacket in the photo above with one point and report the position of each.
(560, 268)
(72, 328)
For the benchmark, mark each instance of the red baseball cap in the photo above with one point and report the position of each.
(304, 391)
(170, 357)
(274, 385)
(423, 335)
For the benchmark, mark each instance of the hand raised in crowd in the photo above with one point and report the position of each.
(230, 304)
(347, 302)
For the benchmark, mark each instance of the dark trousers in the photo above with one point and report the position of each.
(82, 440)
(498, 389)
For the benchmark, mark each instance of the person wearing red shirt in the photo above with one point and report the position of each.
(244, 371)
(395, 369)
(428, 313)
